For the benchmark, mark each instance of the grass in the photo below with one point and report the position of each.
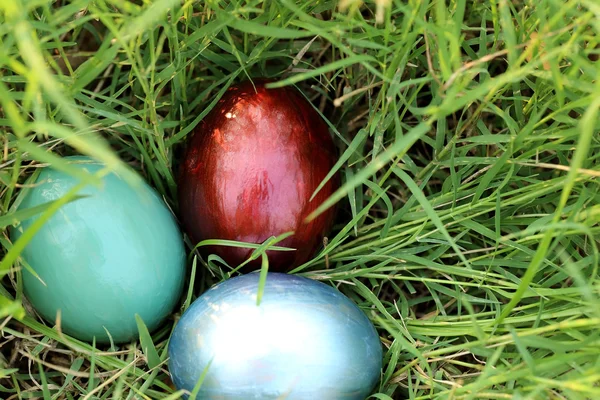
(469, 215)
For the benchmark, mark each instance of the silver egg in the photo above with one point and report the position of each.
(305, 340)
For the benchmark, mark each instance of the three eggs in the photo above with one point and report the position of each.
(248, 174)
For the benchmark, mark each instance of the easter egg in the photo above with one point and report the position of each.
(250, 170)
(305, 340)
(103, 258)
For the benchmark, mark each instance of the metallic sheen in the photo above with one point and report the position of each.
(305, 341)
(249, 171)
(103, 258)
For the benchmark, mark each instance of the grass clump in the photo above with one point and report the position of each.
(468, 133)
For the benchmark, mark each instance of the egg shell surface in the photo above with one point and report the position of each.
(250, 171)
(305, 340)
(102, 258)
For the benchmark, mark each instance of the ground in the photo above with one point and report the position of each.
(468, 140)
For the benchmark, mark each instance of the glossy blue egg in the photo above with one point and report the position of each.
(305, 340)
(103, 258)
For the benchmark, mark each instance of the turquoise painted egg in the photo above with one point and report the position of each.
(103, 258)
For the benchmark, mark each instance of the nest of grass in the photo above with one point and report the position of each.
(468, 231)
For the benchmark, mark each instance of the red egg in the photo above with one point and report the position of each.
(249, 171)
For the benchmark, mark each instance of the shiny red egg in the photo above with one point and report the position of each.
(249, 171)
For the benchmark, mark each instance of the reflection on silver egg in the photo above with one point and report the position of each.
(305, 340)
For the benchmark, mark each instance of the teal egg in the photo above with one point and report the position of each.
(103, 258)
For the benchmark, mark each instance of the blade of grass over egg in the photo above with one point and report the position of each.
(262, 279)
(14, 217)
(28, 234)
(176, 395)
(200, 381)
(260, 250)
(55, 162)
(268, 245)
(24, 264)
(90, 145)
(247, 245)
